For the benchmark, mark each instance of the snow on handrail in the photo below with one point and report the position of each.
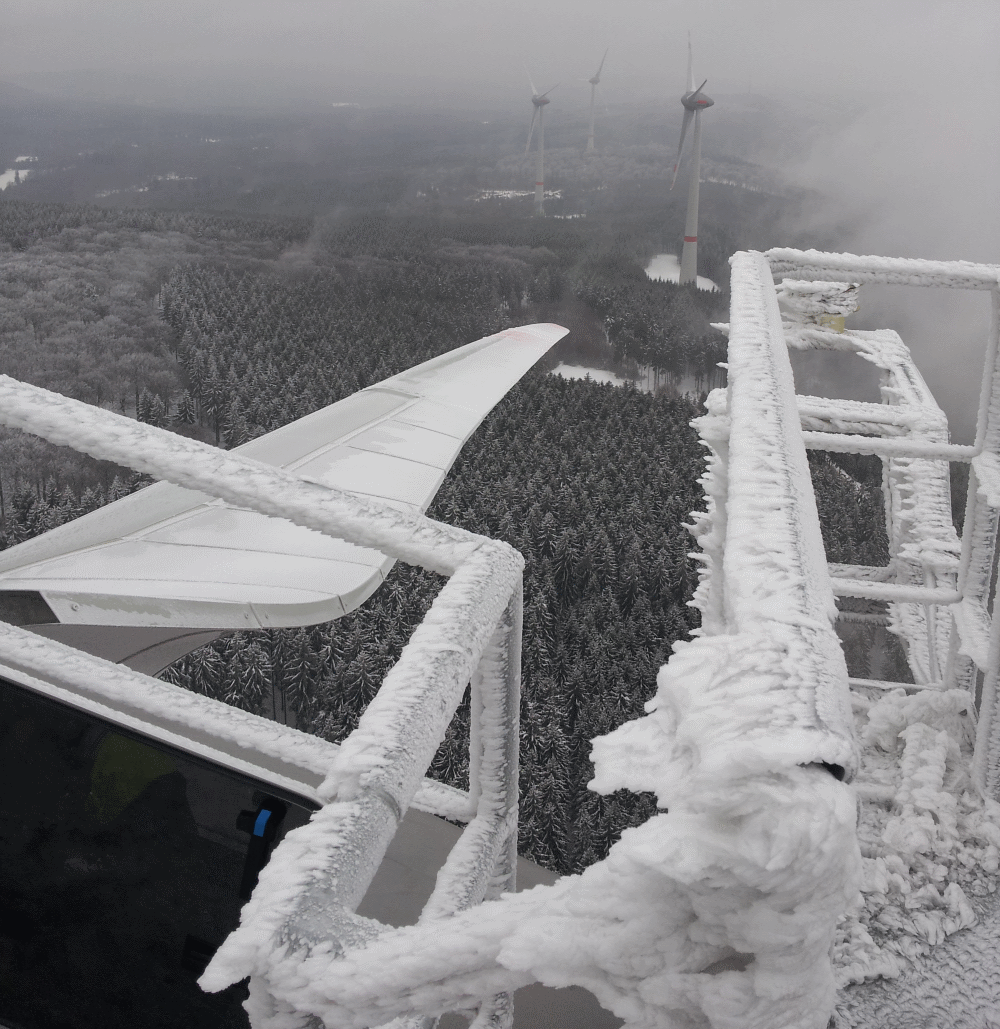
(752, 858)
(960, 642)
(321, 872)
(773, 572)
(895, 271)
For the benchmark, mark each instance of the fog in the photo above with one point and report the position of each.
(908, 161)
(473, 49)
(920, 179)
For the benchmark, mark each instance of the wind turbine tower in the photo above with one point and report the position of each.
(594, 83)
(694, 102)
(539, 100)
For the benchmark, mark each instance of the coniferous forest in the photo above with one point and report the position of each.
(224, 327)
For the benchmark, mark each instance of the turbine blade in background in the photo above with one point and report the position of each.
(603, 59)
(549, 90)
(699, 89)
(534, 92)
(688, 115)
(531, 131)
(690, 78)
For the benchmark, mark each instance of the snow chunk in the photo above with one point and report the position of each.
(929, 838)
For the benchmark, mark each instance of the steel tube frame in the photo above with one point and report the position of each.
(973, 638)
(472, 633)
(761, 489)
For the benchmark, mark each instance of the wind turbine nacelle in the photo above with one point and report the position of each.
(696, 101)
(540, 101)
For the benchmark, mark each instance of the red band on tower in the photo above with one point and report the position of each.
(690, 239)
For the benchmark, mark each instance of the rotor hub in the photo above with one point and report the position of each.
(696, 101)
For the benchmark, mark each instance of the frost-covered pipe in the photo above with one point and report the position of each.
(708, 527)
(775, 563)
(170, 713)
(309, 889)
(895, 271)
(907, 272)
(475, 870)
(979, 541)
(307, 894)
(895, 592)
(850, 443)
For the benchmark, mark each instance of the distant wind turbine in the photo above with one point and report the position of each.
(539, 100)
(694, 102)
(594, 83)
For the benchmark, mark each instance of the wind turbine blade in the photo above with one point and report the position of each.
(549, 90)
(603, 59)
(534, 92)
(531, 131)
(699, 89)
(688, 115)
(690, 78)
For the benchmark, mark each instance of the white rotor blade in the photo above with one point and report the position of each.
(534, 92)
(690, 78)
(531, 131)
(603, 59)
(549, 90)
(175, 558)
(684, 127)
(699, 89)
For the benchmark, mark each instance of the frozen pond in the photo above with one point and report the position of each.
(667, 268)
(10, 176)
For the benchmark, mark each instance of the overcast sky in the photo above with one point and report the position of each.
(876, 45)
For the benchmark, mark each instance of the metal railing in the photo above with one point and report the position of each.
(762, 549)
(941, 590)
(746, 748)
(472, 633)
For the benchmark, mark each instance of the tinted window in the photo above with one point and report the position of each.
(121, 866)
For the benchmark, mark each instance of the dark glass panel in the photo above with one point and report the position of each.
(121, 864)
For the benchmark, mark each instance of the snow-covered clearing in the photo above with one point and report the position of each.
(579, 371)
(11, 175)
(667, 268)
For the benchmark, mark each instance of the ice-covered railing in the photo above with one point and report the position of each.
(471, 632)
(940, 590)
(721, 909)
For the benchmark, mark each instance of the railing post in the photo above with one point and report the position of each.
(978, 558)
(504, 707)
